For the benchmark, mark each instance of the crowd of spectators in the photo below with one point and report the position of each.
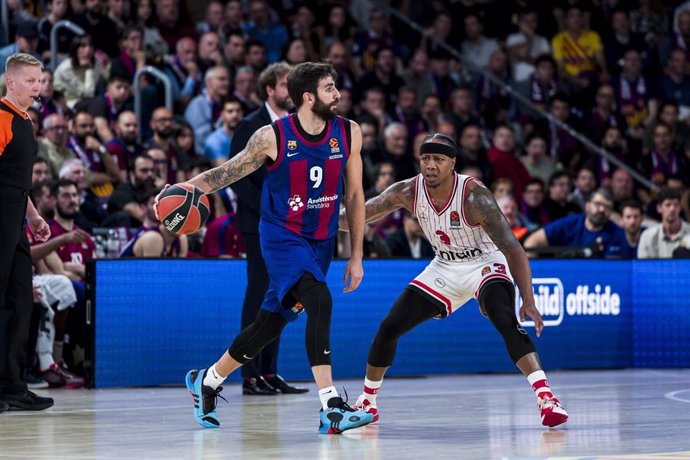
(617, 71)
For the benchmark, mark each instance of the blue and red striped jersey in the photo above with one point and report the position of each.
(304, 185)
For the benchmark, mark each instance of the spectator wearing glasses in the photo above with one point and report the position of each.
(591, 231)
(53, 145)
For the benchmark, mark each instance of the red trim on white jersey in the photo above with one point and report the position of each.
(490, 277)
(436, 295)
(414, 200)
(450, 198)
(464, 191)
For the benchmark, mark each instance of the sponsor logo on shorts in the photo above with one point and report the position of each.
(171, 224)
(440, 282)
(291, 144)
(553, 302)
(455, 219)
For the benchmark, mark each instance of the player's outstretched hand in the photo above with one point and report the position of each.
(354, 272)
(155, 201)
(531, 311)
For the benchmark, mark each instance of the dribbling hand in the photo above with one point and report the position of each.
(155, 201)
(354, 272)
(531, 311)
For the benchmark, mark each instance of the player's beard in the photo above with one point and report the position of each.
(323, 111)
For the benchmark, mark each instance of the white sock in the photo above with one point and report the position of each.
(45, 360)
(371, 389)
(539, 383)
(325, 394)
(213, 379)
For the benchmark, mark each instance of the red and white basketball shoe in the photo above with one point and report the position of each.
(552, 413)
(365, 405)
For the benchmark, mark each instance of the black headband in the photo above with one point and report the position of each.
(437, 147)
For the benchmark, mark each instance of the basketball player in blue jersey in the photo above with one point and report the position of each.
(477, 256)
(313, 162)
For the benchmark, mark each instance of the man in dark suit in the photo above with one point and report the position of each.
(409, 241)
(260, 374)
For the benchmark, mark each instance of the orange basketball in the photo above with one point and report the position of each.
(183, 209)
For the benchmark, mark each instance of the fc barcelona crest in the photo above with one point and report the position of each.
(292, 144)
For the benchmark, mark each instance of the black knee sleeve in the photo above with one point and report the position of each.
(498, 301)
(408, 311)
(316, 299)
(253, 338)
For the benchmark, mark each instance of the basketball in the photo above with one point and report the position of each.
(183, 209)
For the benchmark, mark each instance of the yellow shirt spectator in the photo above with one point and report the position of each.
(577, 55)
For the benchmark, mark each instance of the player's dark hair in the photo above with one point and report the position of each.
(441, 139)
(305, 77)
(668, 193)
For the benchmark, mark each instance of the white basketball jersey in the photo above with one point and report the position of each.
(454, 240)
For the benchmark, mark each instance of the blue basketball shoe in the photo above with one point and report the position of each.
(205, 410)
(341, 417)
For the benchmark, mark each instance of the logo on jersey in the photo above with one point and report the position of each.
(455, 219)
(422, 216)
(292, 144)
(295, 203)
(321, 202)
(334, 145)
(455, 256)
(440, 282)
(445, 239)
(485, 270)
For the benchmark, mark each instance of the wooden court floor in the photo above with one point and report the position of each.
(613, 414)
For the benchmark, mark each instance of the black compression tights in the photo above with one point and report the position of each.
(498, 300)
(408, 311)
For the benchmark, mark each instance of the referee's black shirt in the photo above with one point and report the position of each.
(18, 147)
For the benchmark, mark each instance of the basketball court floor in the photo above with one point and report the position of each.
(640, 413)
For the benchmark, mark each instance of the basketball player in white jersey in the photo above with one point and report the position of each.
(477, 256)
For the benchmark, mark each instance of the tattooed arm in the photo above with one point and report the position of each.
(398, 195)
(261, 146)
(481, 208)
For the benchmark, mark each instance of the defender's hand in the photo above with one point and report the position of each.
(533, 313)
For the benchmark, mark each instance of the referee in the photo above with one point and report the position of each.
(17, 152)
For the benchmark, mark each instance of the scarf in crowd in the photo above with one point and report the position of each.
(633, 103)
(662, 169)
(542, 94)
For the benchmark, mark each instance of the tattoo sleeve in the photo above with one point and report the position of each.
(244, 163)
(398, 195)
(482, 209)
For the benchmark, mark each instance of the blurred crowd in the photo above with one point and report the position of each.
(617, 71)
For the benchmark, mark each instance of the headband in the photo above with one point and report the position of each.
(437, 147)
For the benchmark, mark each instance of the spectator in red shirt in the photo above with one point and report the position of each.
(503, 161)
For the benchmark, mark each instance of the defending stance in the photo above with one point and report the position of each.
(476, 252)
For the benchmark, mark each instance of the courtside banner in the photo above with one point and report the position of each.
(151, 320)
